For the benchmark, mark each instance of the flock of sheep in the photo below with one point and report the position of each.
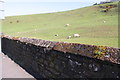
(73, 36)
(69, 37)
(66, 25)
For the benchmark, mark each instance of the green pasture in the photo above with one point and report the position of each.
(95, 27)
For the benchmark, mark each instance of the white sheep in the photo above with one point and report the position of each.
(76, 35)
(67, 25)
(104, 21)
(69, 37)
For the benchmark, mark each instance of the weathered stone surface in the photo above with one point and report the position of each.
(48, 59)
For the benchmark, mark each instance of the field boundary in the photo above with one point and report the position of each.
(50, 59)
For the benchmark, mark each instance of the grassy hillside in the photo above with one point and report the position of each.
(95, 27)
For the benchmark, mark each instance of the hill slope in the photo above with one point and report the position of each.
(94, 26)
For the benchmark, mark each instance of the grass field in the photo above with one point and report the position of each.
(87, 21)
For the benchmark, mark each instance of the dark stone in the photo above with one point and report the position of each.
(51, 64)
(39, 59)
(53, 71)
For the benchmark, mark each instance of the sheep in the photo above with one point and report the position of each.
(76, 35)
(104, 21)
(56, 35)
(69, 37)
(67, 25)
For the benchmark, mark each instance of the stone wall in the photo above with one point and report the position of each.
(47, 59)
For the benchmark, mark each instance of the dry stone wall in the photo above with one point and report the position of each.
(47, 59)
